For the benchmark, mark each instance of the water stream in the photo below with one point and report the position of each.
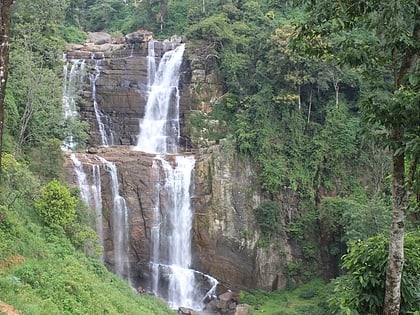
(120, 225)
(159, 129)
(91, 193)
(73, 80)
(105, 133)
(172, 276)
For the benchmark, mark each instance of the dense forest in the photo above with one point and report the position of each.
(321, 96)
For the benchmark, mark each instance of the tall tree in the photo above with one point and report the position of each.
(4, 60)
(380, 39)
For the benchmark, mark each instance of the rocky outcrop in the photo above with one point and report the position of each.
(227, 240)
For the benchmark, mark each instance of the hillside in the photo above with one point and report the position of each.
(41, 272)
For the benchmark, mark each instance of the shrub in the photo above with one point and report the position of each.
(362, 289)
(56, 205)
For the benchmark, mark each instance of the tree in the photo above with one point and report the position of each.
(4, 60)
(380, 39)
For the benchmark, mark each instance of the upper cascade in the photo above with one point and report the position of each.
(159, 129)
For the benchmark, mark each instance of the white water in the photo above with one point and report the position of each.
(106, 139)
(120, 226)
(97, 202)
(91, 194)
(159, 129)
(72, 84)
(172, 276)
(151, 64)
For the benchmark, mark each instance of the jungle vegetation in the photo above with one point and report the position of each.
(322, 96)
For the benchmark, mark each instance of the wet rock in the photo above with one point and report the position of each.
(92, 150)
(187, 311)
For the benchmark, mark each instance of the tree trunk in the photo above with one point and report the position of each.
(396, 242)
(400, 190)
(4, 62)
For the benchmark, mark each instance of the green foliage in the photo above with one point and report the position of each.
(101, 14)
(268, 216)
(40, 270)
(344, 216)
(361, 290)
(56, 205)
(72, 284)
(305, 299)
(203, 128)
(47, 159)
(84, 239)
(34, 113)
(18, 183)
(213, 29)
(72, 34)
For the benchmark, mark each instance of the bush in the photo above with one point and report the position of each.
(362, 289)
(72, 34)
(56, 205)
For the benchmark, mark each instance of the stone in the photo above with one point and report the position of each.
(187, 311)
(92, 150)
(139, 36)
(242, 309)
(229, 296)
(98, 38)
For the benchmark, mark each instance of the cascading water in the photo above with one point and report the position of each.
(172, 211)
(72, 84)
(106, 139)
(151, 63)
(91, 194)
(170, 263)
(91, 186)
(159, 129)
(120, 224)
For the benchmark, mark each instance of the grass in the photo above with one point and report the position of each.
(307, 299)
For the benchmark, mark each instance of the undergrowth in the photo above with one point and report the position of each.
(308, 299)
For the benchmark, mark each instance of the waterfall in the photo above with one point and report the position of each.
(72, 84)
(97, 202)
(120, 224)
(151, 63)
(159, 129)
(100, 117)
(170, 263)
(174, 248)
(171, 237)
(91, 194)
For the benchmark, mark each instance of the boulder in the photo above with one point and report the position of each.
(242, 309)
(140, 36)
(99, 38)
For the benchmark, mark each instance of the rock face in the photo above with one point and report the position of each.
(119, 73)
(225, 235)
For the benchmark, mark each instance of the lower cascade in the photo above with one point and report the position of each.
(172, 277)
